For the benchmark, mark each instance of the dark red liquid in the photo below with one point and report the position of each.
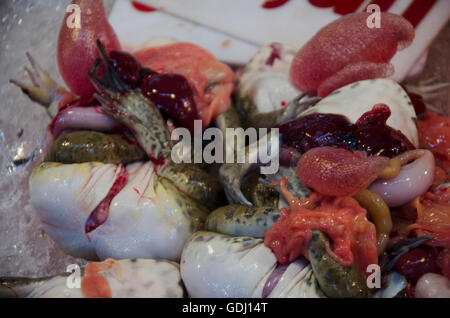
(371, 134)
(142, 7)
(172, 94)
(101, 212)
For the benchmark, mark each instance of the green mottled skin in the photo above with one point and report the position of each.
(309, 287)
(196, 212)
(87, 146)
(254, 118)
(22, 281)
(229, 119)
(230, 175)
(257, 119)
(143, 118)
(242, 220)
(22, 286)
(131, 108)
(257, 193)
(239, 105)
(194, 181)
(335, 280)
(294, 184)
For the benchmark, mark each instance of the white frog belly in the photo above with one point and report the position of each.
(141, 278)
(267, 87)
(145, 219)
(217, 265)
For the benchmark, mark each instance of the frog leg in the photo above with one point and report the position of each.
(131, 108)
(291, 111)
(231, 174)
(43, 90)
(194, 182)
(335, 280)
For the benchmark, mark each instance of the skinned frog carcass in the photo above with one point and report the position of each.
(263, 86)
(271, 88)
(347, 104)
(96, 204)
(248, 267)
(149, 217)
(217, 265)
(128, 278)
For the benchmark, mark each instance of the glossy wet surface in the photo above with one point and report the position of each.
(25, 250)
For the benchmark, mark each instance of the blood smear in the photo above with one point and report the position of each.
(101, 212)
